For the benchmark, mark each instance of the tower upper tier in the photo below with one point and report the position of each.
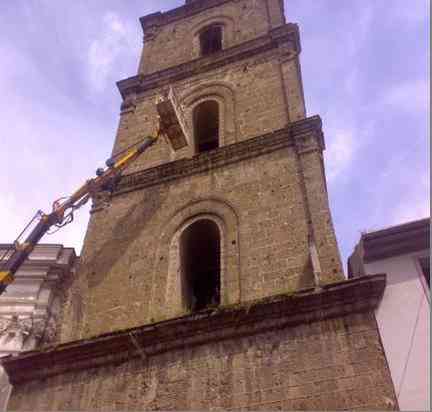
(173, 37)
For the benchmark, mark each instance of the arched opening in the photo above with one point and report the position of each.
(211, 40)
(206, 126)
(200, 265)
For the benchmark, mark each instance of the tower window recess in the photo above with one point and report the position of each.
(211, 40)
(206, 126)
(200, 261)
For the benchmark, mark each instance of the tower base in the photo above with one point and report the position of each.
(312, 349)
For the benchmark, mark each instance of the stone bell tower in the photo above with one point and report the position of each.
(213, 278)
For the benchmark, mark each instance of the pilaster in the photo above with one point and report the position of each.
(309, 143)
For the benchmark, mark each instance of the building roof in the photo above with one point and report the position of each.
(385, 243)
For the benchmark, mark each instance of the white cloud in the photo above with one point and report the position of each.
(41, 167)
(11, 222)
(339, 152)
(50, 144)
(17, 213)
(345, 136)
(14, 65)
(117, 41)
(401, 192)
(414, 203)
(412, 11)
(355, 37)
(411, 96)
(351, 82)
(40, 155)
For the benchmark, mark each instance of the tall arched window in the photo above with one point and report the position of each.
(206, 126)
(200, 264)
(211, 39)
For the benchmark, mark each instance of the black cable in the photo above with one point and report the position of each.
(410, 347)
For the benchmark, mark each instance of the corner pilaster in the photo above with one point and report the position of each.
(309, 145)
(291, 77)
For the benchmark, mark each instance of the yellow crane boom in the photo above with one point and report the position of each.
(171, 124)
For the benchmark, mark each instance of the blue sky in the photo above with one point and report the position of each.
(365, 72)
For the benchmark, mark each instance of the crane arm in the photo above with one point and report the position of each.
(20, 252)
(172, 124)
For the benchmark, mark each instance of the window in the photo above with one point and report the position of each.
(211, 40)
(200, 263)
(206, 126)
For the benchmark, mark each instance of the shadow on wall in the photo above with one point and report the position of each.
(126, 231)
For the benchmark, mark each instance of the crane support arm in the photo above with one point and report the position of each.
(20, 252)
(172, 124)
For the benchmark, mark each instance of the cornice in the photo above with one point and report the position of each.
(308, 134)
(305, 135)
(187, 10)
(206, 161)
(397, 240)
(287, 33)
(61, 258)
(386, 243)
(272, 313)
(405, 229)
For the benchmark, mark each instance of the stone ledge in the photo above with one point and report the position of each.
(304, 134)
(187, 10)
(310, 305)
(141, 83)
(203, 162)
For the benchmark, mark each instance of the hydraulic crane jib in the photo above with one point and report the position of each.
(172, 124)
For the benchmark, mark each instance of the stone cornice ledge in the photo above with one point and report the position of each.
(306, 134)
(276, 312)
(187, 10)
(141, 83)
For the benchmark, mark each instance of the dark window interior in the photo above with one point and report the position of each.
(200, 260)
(425, 266)
(211, 40)
(206, 125)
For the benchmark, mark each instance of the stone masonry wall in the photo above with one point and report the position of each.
(250, 94)
(327, 365)
(265, 190)
(177, 42)
(125, 260)
(312, 170)
(126, 277)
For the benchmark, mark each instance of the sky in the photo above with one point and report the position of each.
(365, 68)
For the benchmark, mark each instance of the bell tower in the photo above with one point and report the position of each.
(213, 278)
(252, 174)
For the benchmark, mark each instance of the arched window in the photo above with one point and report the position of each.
(200, 264)
(206, 126)
(211, 39)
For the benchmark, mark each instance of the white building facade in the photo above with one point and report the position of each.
(403, 316)
(31, 305)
